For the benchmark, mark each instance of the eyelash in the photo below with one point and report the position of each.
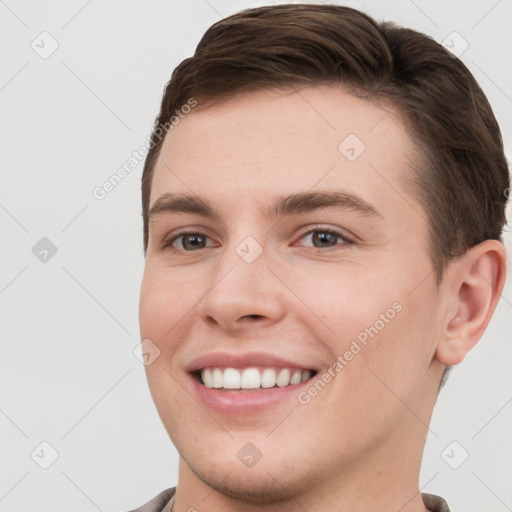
(167, 244)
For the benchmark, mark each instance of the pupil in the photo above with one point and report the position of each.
(195, 239)
(323, 236)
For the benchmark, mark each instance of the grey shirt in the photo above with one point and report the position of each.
(163, 501)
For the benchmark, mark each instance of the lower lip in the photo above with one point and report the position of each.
(244, 401)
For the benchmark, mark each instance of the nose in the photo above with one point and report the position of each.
(242, 295)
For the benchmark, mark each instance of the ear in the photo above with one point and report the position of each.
(473, 285)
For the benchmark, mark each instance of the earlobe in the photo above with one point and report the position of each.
(476, 284)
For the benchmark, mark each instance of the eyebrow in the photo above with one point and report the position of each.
(292, 204)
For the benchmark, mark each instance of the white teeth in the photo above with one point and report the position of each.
(231, 379)
(296, 376)
(283, 379)
(252, 378)
(217, 378)
(207, 377)
(306, 374)
(268, 378)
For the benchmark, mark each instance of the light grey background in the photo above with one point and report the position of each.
(69, 325)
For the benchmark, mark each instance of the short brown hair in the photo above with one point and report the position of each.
(462, 178)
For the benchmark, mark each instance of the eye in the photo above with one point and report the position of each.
(325, 238)
(320, 238)
(188, 241)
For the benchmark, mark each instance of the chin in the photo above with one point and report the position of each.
(260, 490)
(261, 484)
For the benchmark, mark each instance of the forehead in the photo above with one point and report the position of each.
(253, 145)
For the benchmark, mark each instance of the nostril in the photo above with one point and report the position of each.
(252, 316)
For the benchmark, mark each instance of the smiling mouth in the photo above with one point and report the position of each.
(251, 378)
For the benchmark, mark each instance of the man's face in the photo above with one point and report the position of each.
(300, 287)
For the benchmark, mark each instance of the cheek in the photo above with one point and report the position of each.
(378, 328)
(163, 317)
(396, 342)
(342, 303)
(162, 304)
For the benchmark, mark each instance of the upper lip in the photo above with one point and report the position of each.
(245, 360)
